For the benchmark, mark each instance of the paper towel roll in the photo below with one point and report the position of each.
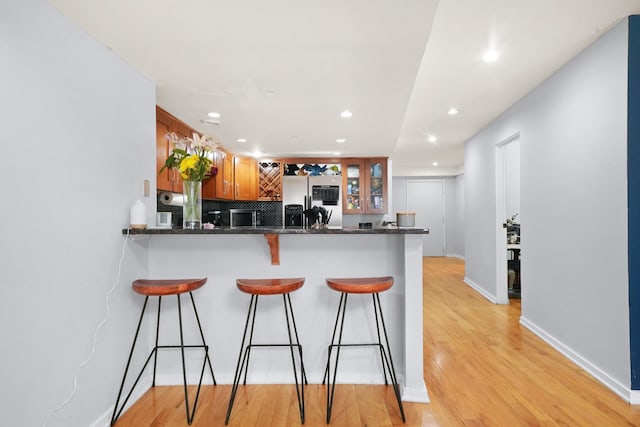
(171, 199)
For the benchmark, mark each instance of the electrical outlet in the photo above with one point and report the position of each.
(147, 185)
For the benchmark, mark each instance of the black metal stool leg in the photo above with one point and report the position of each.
(238, 373)
(295, 330)
(116, 411)
(206, 347)
(155, 356)
(299, 390)
(392, 371)
(333, 338)
(245, 362)
(331, 388)
(184, 368)
(382, 357)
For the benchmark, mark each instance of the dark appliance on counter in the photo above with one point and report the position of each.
(245, 218)
(213, 217)
(235, 218)
(293, 216)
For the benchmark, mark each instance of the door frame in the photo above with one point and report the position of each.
(502, 293)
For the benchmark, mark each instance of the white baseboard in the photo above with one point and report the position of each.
(480, 290)
(455, 256)
(417, 395)
(613, 384)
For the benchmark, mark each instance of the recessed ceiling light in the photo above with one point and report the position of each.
(346, 114)
(241, 140)
(209, 122)
(432, 138)
(435, 163)
(213, 114)
(341, 140)
(452, 111)
(336, 153)
(490, 55)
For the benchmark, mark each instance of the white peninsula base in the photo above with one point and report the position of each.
(223, 258)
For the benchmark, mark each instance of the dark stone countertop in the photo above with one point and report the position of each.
(276, 230)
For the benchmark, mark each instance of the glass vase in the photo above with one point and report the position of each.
(192, 207)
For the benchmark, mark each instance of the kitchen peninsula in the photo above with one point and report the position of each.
(225, 254)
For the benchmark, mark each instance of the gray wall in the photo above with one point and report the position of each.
(453, 209)
(574, 208)
(78, 139)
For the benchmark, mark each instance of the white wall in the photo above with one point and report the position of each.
(77, 141)
(573, 201)
(453, 209)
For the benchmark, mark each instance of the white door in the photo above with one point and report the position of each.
(426, 199)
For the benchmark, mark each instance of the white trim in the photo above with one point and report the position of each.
(480, 290)
(610, 382)
(455, 256)
(417, 395)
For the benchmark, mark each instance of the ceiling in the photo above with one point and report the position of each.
(280, 72)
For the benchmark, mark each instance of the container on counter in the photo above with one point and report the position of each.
(406, 219)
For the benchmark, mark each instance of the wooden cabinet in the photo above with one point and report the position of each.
(221, 186)
(169, 179)
(364, 186)
(245, 177)
(269, 180)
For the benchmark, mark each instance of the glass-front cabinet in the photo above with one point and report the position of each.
(364, 183)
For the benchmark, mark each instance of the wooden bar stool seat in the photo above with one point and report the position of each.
(159, 288)
(269, 286)
(256, 288)
(360, 285)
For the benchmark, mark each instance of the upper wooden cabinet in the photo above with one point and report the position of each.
(245, 176)
(169, 179)
(221, 186)
(364, 186)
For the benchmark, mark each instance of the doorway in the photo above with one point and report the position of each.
(508, 276)
(426, 199)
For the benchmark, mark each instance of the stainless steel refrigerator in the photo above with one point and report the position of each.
(309, 191)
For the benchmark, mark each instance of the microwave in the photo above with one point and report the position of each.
(245, 218)
(235, 217)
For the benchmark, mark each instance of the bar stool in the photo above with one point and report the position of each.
(360, 285)
(160, 288)
(257, 287)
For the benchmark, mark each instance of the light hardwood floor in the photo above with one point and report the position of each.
(481, 369)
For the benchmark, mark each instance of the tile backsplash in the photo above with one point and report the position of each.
(272, 211)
